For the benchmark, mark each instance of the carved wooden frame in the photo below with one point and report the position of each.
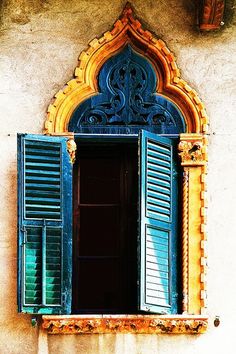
(192, 151)
(210, 14)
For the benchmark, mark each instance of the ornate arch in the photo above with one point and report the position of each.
(126, 30)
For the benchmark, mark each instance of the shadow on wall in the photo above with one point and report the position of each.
(229, 17)
(230, 13)
(8, 259)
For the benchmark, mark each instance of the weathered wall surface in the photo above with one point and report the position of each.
(39, 45)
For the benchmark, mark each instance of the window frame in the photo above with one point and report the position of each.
(140, 140)
(193, 154)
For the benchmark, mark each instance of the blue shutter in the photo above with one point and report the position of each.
(44, 225)
(158, 225)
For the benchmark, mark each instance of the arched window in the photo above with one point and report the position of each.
(131, 248)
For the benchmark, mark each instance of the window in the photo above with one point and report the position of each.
(125, 83)
(108, 201)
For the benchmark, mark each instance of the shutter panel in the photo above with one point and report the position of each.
(44, 225)
(158, 225)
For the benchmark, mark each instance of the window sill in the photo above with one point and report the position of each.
(136, 324)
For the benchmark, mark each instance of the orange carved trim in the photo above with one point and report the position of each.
(71, 148)
(211, 14)
(185, 240)
(192, 150)
(193, 154)
(139, 324)
(126, 30)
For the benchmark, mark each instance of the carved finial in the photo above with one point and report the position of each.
(128, 7)
(71, 148)
(127, 11)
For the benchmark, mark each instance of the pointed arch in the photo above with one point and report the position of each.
(126, 30)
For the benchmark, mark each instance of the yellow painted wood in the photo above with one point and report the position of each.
(193, 154)
(194, 240)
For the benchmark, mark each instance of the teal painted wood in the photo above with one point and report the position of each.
(158, 232)
(44, 225)
(127, 100)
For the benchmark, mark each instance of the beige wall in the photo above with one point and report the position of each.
(39, 45)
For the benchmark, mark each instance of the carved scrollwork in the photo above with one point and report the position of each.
(71, 148)
(127, 97)
(211, 14)
(192, 153)
(122, 324)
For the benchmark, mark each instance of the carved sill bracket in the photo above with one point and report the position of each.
(139, 324)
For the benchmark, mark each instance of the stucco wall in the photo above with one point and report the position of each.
(39, 44)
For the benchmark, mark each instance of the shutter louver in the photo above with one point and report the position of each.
(42, 179)
(158, 225)
(44, 225)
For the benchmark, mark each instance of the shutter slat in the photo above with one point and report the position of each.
(158, 301)
(34, 151)
(44, 166)
(31, 172)
(156, 246)
(157, 195)
(158, 182)
(159, 202)
(39, 179)
(158, 156)
(42, 194)
(48, 201)
(155, 174)
(153, 160)
(165, 191)
(160, 168)
(157, 293)
(45, 187)
(157, 147)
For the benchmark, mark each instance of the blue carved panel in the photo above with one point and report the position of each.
(127, 101)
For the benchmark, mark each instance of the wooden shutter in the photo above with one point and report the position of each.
(158, 225)
(44, 225)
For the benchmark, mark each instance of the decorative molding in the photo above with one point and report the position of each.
(211, 14)
(140, 324)
(193, 154)
(203, 231)
(127, 100)
(71, 148)
(192, 149)
(185, 240)
(126, 30)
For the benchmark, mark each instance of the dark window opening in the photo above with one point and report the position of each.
(105, 228)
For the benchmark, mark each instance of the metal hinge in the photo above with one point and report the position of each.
(23, 229)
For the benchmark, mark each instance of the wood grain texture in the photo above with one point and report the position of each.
(211, 14)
